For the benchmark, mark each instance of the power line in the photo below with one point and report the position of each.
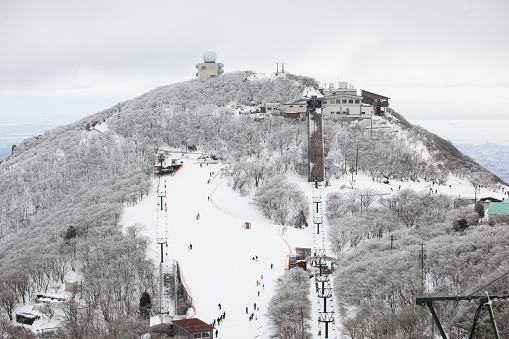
(484, 287)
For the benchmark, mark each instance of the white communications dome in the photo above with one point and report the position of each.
(209, 56)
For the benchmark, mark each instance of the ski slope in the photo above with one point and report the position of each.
(220, 268)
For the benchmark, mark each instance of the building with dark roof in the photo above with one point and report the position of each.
(191, 328)
(377, 101)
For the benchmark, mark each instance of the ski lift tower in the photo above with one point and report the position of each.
(162, 308)
(161, 195)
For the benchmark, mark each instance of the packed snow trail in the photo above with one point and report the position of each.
(220, 267)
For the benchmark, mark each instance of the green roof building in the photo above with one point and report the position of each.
(499, 207)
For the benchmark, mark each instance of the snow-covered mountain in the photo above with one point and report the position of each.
(492, 156)
(74, 199)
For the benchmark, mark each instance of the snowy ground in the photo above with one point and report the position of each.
(219, 268)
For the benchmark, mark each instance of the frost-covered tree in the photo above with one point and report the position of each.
(282, 202)
(406, 205)
(289, 309)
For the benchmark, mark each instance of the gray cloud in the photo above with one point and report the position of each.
(61, 45)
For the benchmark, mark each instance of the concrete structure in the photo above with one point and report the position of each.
(342, 89)
(372, 103)
(344, 105)
(209, 69)
(295, 110)
(278, 74)
(272, 108)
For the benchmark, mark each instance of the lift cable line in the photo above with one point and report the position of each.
(475, 292)
(491, 282)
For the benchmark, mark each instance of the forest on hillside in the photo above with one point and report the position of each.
(392, 250)
(63, 193)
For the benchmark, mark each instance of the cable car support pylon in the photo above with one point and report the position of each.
(319, 259)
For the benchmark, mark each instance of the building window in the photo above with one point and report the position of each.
(332, 112)
(350, 101)
(269, 108)
(203, 68)
(212, 76)
(344, 101)
(291, 106)
(331, 101)
(357, 101)
(301, 106)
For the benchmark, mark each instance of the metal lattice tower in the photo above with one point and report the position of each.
(319, 258)
(321, 261)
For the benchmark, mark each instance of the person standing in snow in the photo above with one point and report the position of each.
(216, 333)
(219, 305)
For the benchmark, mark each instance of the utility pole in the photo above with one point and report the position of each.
(371, 129)
(356, 159)
(422, 256)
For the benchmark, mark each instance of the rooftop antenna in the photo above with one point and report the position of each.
(282, 66)
(277, 68)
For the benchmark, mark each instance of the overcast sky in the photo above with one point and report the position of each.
(437, 56)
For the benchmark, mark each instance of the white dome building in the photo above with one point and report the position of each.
(209, 57)
(209, 68)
